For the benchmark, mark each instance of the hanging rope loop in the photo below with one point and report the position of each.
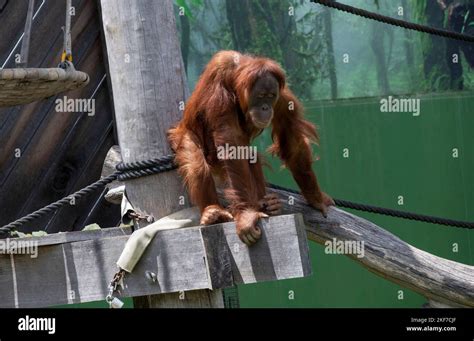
(67, 45)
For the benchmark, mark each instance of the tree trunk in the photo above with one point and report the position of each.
(330, 52)
(238, 15)
(377, 44)
(434, 50)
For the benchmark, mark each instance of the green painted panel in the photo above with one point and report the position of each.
(390, 155)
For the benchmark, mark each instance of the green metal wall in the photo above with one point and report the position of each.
(390, 154)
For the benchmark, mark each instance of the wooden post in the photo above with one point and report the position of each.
(148, 83)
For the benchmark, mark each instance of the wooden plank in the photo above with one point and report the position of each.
(177, 258)
(77, 154)
(38, 278)
(218, 256)
(13, 18)
(188, 259)
(70, 237)
(182, 300)
(80, 271)
(280, 254)
(7, 282)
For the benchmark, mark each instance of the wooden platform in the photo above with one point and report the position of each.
(76, 267)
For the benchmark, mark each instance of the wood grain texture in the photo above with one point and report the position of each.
(218, 257)
(184, 300)
(148, 82)
(76, 267)
(279, 254)
(71, 237)
(60, 151)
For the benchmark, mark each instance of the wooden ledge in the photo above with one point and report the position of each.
(77, 267)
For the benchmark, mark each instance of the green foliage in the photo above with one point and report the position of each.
(418, 9)
(264, 40)
(415, 62)
(260, 27)
(32, 234)
(290, 39)
(91, 227)
(187, 4)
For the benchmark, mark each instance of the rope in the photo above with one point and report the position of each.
(132, 170)
(125, 171)
(395, 22)
(138, 169)
(5, 230)
(390, 212)
(67, 49)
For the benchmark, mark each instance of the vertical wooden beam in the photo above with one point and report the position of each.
(148, 82)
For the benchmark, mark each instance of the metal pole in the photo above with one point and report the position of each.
(25, 44)
(67, 52)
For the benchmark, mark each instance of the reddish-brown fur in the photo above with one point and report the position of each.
(215, 115)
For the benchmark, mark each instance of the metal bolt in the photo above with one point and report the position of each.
(151, 276)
